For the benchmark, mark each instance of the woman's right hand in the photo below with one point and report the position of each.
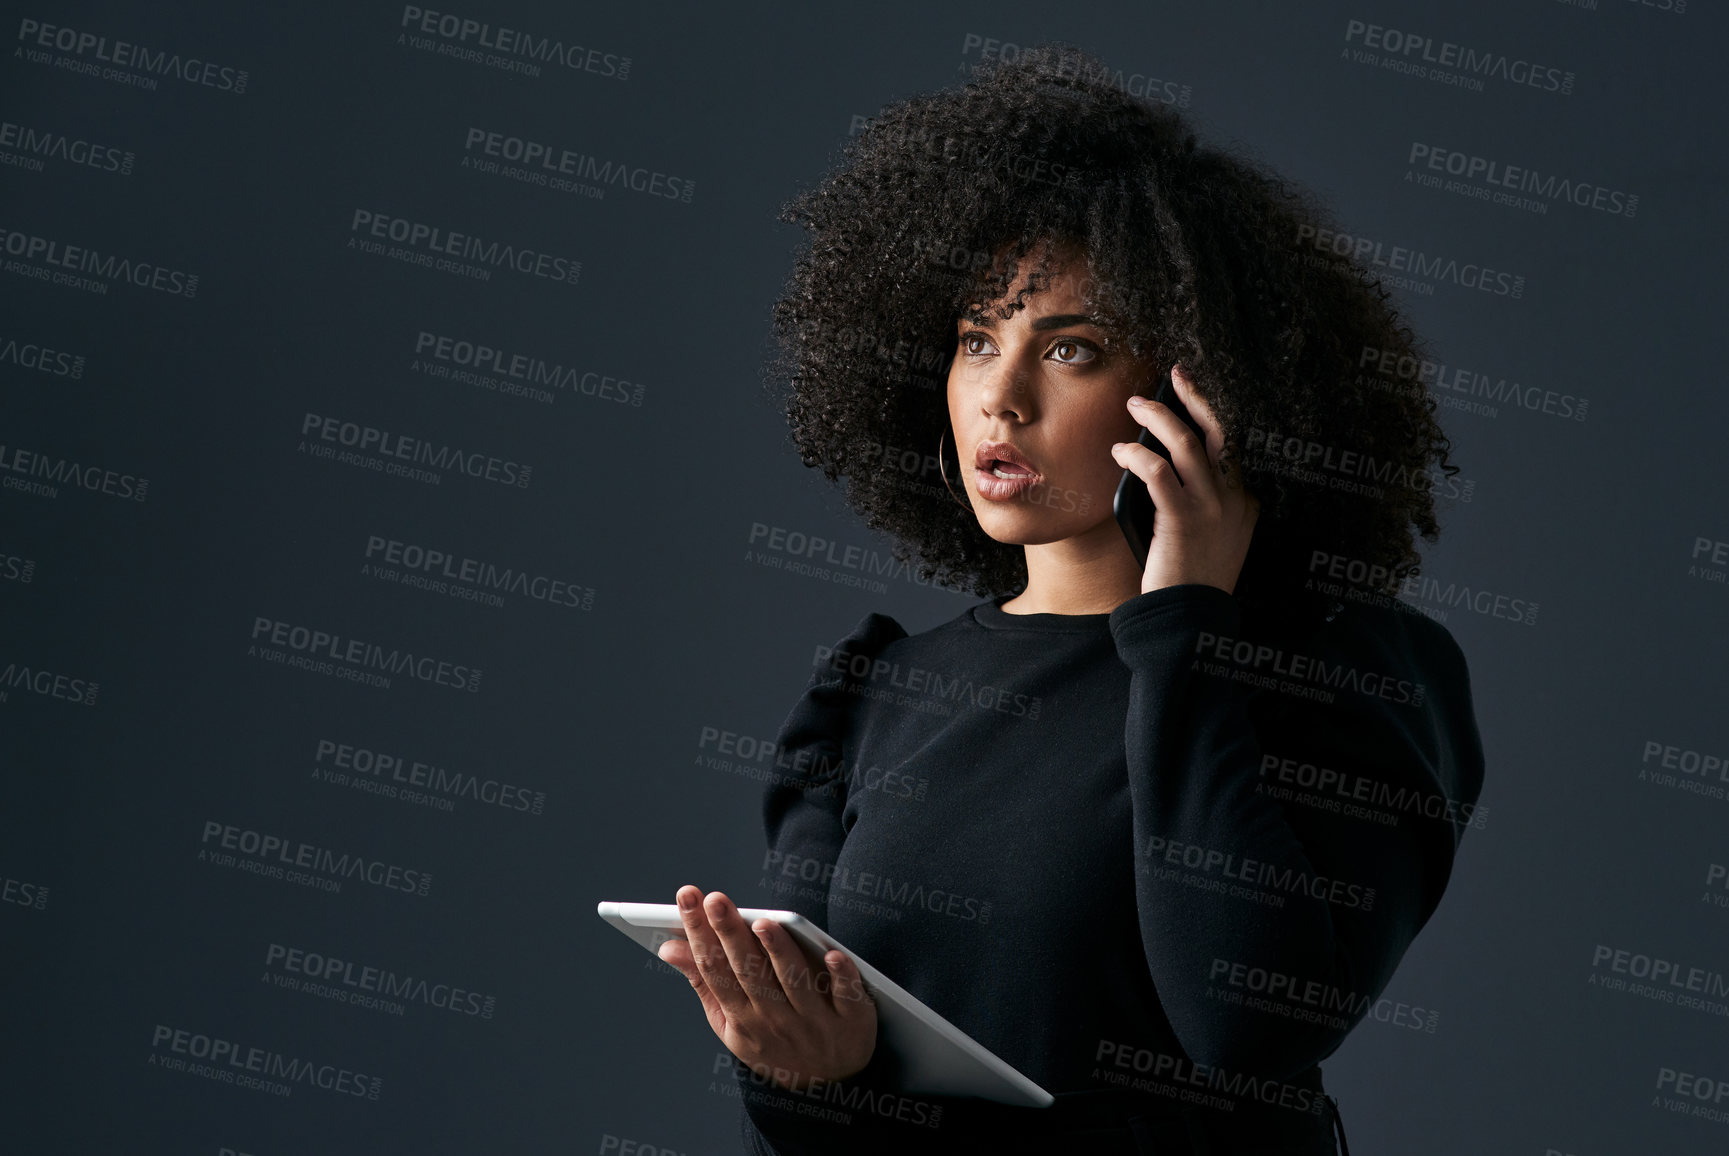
(788, 1023)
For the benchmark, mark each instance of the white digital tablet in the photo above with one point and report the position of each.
(935, 1056)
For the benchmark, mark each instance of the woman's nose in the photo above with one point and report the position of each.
(1006, 391)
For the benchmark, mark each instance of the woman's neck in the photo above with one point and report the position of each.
(1090, 573)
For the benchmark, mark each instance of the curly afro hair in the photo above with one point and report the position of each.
(1193, 255)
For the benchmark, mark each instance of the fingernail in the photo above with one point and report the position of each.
(1137, 400)
(1115, 446)
(686, 901)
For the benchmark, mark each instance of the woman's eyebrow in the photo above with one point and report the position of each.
(1049, 321)
(1058, 320)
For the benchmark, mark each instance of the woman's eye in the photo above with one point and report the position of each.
(974, 343)
(1067, 351)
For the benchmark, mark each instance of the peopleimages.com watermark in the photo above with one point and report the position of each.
(1651, 977)
(1358, 796)
(41, 358)
(1690, 1094)
(364, 985)
(30, 147)
(1716, 568)
(89, 270)
(1685, 769)
(1515, 186)
(1300, 675)
(1207, 1085)
(19, 677)
(611, 1145)
(565, 170)
(1406, 267)
(1345, 469)
(353, 659)
(1440, 61)
(816, 1098)
(1309, 1000)
(823, 559)
(866, 892)
(17, 568)
(41, 475)
(514, 373)
(255, 1068)
(1240, 876)
(304, 864)
(1371, 583)
(456, 575)
(507, 49)
(911, 360)
(1142, 86)
(922, 689)
(403, 455)
(21, 893)
(1463, 388)
(431, 785)
(454, 251)
(921, 472)
(139, 66)
(806, 767)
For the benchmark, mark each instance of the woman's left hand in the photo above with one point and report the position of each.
(1204, 522)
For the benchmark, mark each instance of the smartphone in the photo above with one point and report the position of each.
(1133, 505)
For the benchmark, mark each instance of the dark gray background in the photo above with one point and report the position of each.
(652, 506)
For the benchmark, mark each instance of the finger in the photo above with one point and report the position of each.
(1161, 478)
(851, 1000)
(1200, 411)
(1173, 482)
(791, 967)
(676, 953)
(710, 956)
(1210, 423)
(1188, 451)
(749, 963)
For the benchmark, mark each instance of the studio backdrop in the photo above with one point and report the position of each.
(401, 549)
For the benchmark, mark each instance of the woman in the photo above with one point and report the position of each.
(1174, 825)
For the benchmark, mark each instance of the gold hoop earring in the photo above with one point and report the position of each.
(943, 468)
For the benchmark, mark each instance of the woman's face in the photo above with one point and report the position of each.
(1035, 403)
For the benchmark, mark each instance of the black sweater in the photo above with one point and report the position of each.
(1160, 860)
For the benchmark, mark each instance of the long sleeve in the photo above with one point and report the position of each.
(802, 819)
(1252, 906)
(802, 809)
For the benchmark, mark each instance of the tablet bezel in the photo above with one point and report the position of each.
(936, 1057)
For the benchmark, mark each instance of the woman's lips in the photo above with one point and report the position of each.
(1002, 473)
(994, 487)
